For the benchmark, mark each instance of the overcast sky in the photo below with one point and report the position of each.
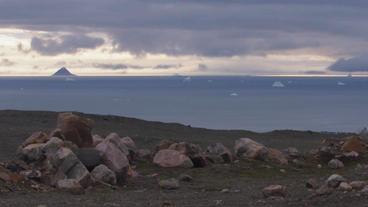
(194, 37)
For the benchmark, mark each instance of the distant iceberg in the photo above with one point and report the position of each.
(187, 79)
(234, 94)
(278, 84)
(340, 83)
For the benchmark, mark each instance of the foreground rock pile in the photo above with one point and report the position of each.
(71, 158)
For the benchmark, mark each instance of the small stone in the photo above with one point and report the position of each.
(312, 183)
(344, 186)
(169, 184)
(31, 174)
(185, 178)
(282, 170)
(334, 180)
(319, 166)
(335, 164)
(324, 190)
(364, 190)
(292, 152)
(358, 185)
(225, 190)
(104, 174)
(144, 155)
(274, 191)
(33, 152)
(71, 186)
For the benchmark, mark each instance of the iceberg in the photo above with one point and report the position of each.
(278, 84)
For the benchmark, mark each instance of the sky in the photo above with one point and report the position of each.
(184, 37)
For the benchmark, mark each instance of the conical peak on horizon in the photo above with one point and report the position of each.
(63, 72)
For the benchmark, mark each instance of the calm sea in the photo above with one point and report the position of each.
(253, 103)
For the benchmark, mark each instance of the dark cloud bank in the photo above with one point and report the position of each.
(355, 64)
(214, 28)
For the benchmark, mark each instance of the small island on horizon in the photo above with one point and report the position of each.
(63, 72)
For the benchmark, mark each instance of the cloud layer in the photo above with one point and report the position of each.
(205, 28)
(64, 44)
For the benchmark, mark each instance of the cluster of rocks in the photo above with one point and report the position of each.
(335, 152)
(339, 183)
(70, 158)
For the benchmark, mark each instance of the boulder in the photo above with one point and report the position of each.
(71, 186)
(103, 174)
(335, 164)
(70, 167)
(114, 155)
(169, 184)
(330, 148)
(116, 140)
(32, 152)
(144, 154)
(90, 157)
(276, 156)
(172, 158)
(193, 151)
(217, 152)
(35, 138)
(57, 133)
(249, 149)
(75, 129)
(358, 185)
(52, 146)
(344, 186)
(334, 180)
(274, 191)
(350, 156)
(129, 143)
(354, 143)
(97, 139)
(164, 144)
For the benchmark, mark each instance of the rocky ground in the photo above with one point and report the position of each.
(237, 183)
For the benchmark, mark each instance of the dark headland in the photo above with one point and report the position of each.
(240, 181)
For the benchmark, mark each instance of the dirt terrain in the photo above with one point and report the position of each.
(236, 184)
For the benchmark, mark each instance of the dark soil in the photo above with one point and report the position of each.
(244, 180)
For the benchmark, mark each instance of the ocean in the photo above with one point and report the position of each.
(253, 103)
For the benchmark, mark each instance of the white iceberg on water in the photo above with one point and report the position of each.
(187, 79)
(278, 84)
(340, 83)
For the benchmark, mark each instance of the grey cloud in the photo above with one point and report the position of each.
(354, 64)
(203, 28)
(117, 66)
(168, 66)
(64, 44)
(6, 62)
(20, 48)
(202, 67)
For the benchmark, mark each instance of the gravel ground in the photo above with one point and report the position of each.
(245, 180)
